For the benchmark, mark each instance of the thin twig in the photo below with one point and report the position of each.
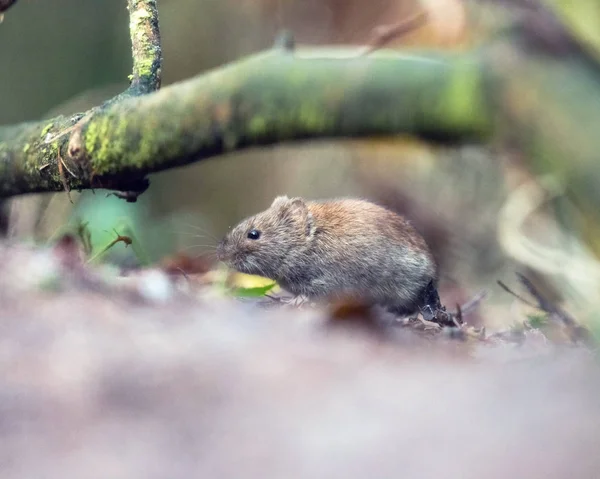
(512, 293)
(384, 34)
(545, 304)
(475, 301)
(576, 331)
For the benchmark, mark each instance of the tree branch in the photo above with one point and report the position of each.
(268, 98)
(145, 46)
(44, 151)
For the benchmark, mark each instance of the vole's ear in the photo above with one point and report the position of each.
(297, 208)
(280, 201)
(290, 206)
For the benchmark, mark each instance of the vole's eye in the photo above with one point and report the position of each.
(253, 234)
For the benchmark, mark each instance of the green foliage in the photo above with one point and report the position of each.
(150, 238)
(122, 233)
(537, 321)
(254, 292)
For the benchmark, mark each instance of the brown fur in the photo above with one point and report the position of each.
(334, 248)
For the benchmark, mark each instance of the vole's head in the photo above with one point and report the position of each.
(260, 244)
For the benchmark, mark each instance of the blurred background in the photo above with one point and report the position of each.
(65, 56)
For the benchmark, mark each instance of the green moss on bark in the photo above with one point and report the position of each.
(267, 98)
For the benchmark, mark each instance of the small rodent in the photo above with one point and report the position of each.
(342, 247)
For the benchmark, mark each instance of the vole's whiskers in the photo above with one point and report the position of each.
(202, 238)
(197, 235)
(211, 247)
(200, 231)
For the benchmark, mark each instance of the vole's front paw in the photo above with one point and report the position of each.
(291, 301)
(296, 301)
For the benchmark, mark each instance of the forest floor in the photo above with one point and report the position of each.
(150, 376)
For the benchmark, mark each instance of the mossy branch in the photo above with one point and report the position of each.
(268, 98)
(145, 46)
(36, 157)
(272, 97)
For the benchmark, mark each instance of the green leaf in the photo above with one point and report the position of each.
(252, 292)
(537, 321)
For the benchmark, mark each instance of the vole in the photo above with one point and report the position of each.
(341, 247)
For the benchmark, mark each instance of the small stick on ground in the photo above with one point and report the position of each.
(429, 325)
(459, 315)
(576, 331)
(520, 298)
(470, 305)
